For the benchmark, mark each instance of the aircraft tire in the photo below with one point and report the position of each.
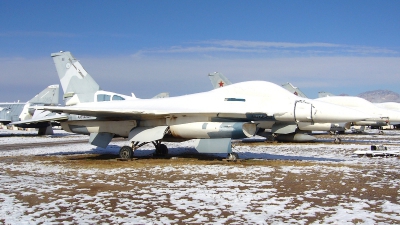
(233, 156)
(126, 152)
(162, 150)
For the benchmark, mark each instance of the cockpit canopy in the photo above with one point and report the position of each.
(105, 96)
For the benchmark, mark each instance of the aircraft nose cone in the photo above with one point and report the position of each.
(327, 112)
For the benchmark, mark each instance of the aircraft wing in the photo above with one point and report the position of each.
(101, 112)
(154, 114)
(43, 119)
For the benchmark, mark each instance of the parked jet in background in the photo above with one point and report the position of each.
(14, 112)
(383, 113)
(395, 106)
(78, 86)
(381, 116)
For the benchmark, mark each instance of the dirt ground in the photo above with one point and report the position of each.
(98, 188)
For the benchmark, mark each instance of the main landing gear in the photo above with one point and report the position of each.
(126, 152)
(232, 156)
(337, 139)
(161, 149)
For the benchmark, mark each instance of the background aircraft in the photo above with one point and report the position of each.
(395, 106)
(78, 86)
(14, 112)
(382, 113)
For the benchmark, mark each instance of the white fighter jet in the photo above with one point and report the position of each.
(395, 106)
(13, 113)
(380, 116)
(382, 113)
(78, 87)
(213, 118)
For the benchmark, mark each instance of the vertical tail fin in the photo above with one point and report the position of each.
(77, 84)
(218, 80)
(294, 90)
(162, 95)
(49, 96)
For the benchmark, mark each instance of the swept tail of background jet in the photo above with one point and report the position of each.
(49, 96)
(12, 112)
(16, 112)
(218, 80)
(77, 84)
(294, 90)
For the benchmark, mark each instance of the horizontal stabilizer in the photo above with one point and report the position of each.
(43, 119)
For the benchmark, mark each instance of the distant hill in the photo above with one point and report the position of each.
(380, 96)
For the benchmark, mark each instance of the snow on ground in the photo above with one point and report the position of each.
(20, 136)
(318, 183)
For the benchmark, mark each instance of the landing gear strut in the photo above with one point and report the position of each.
(337, 139)
(126, 152)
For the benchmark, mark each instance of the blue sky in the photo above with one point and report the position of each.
(147, 47)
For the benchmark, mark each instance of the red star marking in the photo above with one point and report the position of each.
(295, 93)
(221, 84)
